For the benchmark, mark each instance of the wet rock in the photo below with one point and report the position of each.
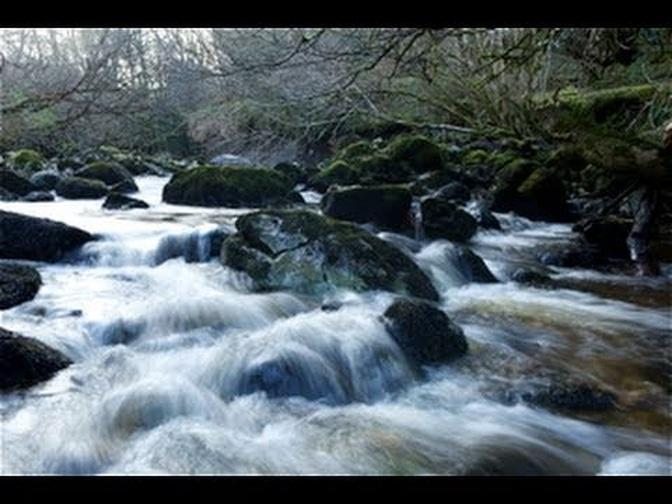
(608, 234)
(232, 187)
(444, 220)
(25, 362)
(385, 206)
(46, 180)
(110, 173)
(486, 219)
(16, 184)
(572, 255)
(18, 284)
(303, 251)
(32, 238)
(116, 201)
(125, 187)
(571, 397)
(194, 247)
(471, 265)
(424, 333)
(37, 196)
(81, 188)
(6, 195)
(531, 277)
(293, 171)
(455, 192)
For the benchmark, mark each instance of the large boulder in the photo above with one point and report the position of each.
(81, 188)
(46, 180)
(424, 333)
(25, 362)
(339, 172)
(117, 201)
(233, 187)
(442, 219)
(305, 252)
(110, 173)
(26, 160)
(18, 284)
(417, 152)
(35, 239)
(608, 234)
(385, 206)
(15, 184)
(456, 192)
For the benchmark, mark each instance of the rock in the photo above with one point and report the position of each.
(81, 188)
(38, 196)
(18, 284)
(231, 187)
(292, 171)
(15, 184)
(607, 234)
(486, 219)
(35, 239)
(424, 333)
(110, 173)
(443, 220)
(570, 255)
(385, 206)
(125, 187)
(471, 266)
(26, 159)
(46, 180)
(455, 192)
(531, 277)
(417, 152)
(25, 362)
(116, 201)
(6, 195)
(338, 172)
(305, 252)
(571, 397)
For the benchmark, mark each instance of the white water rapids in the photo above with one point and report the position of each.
(170, 347)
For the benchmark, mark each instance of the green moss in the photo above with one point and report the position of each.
(338, 172)
(476, 156)
(514, 174)
(26, 158)
(226, 186)
(381, 169)
(355, 150)
(108, 172)
(81, 188)
(420, 153)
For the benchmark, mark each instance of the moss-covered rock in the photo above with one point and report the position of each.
(234, 187)
(46, 180)
(356, 150)
(25, 362)
(337, 173)
(81, 188)
(15, 184)
(455, 191)
(417, 152)
(385, 206)
(26, 159)
(34, 239)
(424, 333)
(110, 173)
(442, 219)
(305, 252)
(18, 284)
(542, 196)
(293, 171)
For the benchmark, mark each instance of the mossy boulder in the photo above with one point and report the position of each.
(15, 184)
(18, 284)
(425, 334)
(293, 171)
(308, 253)
(117, 201)
(234, 187)
(26, 159)
(385, 206)
(337, 173)
(110, 173)
(381, 169)
(356, 150)
(442, 219)
(25, 362)
(35, 239)
(81, 188)
(455, 191)
(417, 152)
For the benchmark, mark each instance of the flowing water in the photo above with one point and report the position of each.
(170, 347)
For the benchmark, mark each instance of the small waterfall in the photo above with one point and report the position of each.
(416, 218)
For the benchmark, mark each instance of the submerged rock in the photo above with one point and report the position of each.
(232, 187)
(571, 397)
(116, 201)
(35, 239)
(303, 251)
(385, 206)
(25, 362)
(81, 188)
(18, 284)
(443, 220)
(424, 333)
